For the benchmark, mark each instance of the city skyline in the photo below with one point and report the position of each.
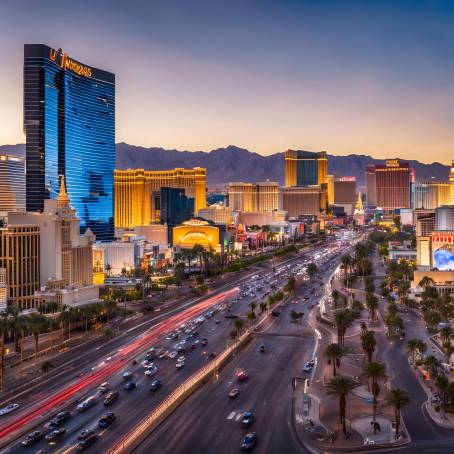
(287, 72)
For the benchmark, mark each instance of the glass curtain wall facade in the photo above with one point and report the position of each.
(69, 123)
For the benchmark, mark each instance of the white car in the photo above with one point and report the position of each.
(179, 365)
(146, 363)
(149, 372)
(8, 409)
(173, 354)
(181, 359)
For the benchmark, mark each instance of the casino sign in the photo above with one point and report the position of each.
(442, 243)
(196, 231)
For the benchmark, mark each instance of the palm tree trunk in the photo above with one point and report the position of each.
(21, 365)
(342, 412)
(36, 345)
(397, 417)
(334, 366)
(2, 362)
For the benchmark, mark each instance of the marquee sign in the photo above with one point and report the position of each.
(443, 250)
(69, 64)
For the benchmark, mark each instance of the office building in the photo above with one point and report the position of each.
(305, 168)
(65, 254)
(175, 206)
(69, 124)
(308, 200)
(12, 183)
(137, 193)
(393, 185)
(345, 193)
(253, 197)
(20, 257)
(444, 217)
(371, 186)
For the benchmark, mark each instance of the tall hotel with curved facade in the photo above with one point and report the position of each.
(69, 123)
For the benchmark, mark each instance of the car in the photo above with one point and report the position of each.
(212, 355)
(87, 442)
(204, 341)
(8, 409)
(155, 385)
(129, 386)
(127, 375)
(249, 441)
(232, 316)
(85, 434)
(146, 363)
(149, 372)
(217, 321)
(307, 367)
(247, 419)
(242, 375)
(164, 355)
(181, 359)
(111, 397)
(32, 437)
(59, 419)
(56, 433)
(181, 348)
(106, 420)
(180, 365)
(173, 354)
(86, 404)
(262, 349)
(150, 354)
(233, 394)
(104, 387)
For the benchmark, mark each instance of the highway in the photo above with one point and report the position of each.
(209, 421)
(38, 406)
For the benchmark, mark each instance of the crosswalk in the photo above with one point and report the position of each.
(235, 415)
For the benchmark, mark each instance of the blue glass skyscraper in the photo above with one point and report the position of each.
(69, 123)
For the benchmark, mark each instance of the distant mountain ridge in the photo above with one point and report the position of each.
(238, 164)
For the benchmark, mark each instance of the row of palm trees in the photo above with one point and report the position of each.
(15, 327)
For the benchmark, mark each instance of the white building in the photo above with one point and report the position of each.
(115, 255)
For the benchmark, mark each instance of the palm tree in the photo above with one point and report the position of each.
(412, 347)
(441, 382)
(363, 329)
(290, 287)
(397, 399)
(433, 365)
(368, 343)
(375, 372)
(334, 352)
(343, 320)
(311, 269)
(372, 306)
(446, 334)
(21, 327)
(250, 316)
(253, 305)
(263, 307)
(108, 269)
(341, 387)
(239, 325)
(426, 282)
(37, 323)
(5, 328)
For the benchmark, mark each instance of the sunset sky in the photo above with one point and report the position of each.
(368, 77)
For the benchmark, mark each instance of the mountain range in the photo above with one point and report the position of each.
(238, 164)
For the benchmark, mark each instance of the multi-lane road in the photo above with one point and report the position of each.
(38, 405)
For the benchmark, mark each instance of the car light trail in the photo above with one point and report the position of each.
(117, 362)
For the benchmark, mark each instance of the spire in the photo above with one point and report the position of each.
(62, 195)
(359, 204)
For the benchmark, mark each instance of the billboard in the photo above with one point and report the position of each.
(443, 250)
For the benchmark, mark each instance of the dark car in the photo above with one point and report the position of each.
(106, 420)
(59, 419)
(111, 397)
(57, 433)
(32, 437)
(155, 385)
(204, 341)
(262, 349)
(212, 355)
(249, 441)
(85, 434)
(87, 442)
(247, 419)
(129, 385)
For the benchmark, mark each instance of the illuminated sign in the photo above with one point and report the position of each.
(70, 64)
(347, 179)
(195, 236)
(392, 163)
(445, 237)
(195, 222)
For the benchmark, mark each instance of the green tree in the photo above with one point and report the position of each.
(311, 270)
(334, 353)
(397, 399)
(412, 348)
(343, 320)
(341, 387)
(375, 372)
(368, 344)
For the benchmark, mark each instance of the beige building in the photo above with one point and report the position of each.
(261, 218)
(307, 200)
(217, 213)
(330, 189)
(20, 257)
(153, 233)
(64, 254)
(261, 196)
(305, 168)
(134, 188)
(113, 256)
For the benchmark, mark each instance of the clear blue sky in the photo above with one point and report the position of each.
(374, 77)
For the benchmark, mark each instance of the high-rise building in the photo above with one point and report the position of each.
(330, 189)
(430, 195)
(371, 186)
(134, 189)
(253, 197)
(305, 168)
(304, 200)
(393, 185)
(69, 123)
(20, 256)
(451, 184)
(217, 213)
(444, 217)
(176, 207)
(12, 183)
(345, 193)
(65, 254)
